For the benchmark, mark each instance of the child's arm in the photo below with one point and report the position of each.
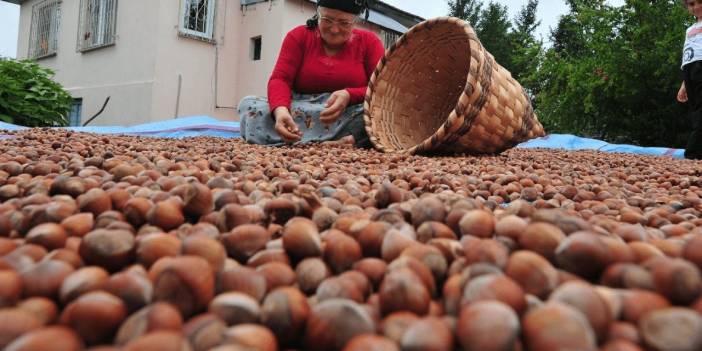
(682, 93)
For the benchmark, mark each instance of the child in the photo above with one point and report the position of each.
(691, 89)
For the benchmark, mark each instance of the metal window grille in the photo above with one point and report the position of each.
(389, 38)
(198, 18)
(97, 24)
(43, 37)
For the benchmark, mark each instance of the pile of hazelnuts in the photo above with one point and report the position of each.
(135, 243)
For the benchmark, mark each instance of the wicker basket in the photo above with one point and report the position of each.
(437, 90)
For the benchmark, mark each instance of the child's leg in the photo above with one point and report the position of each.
(693, 84)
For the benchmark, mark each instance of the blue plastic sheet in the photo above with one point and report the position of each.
(208, 126)
(572, 142)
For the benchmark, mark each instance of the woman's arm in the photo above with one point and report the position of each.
(286, 69)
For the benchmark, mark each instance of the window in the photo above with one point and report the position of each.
(389, 38)
(44, 32)
(76, 111)
(256, 48)
(97, 24)
(197, 18)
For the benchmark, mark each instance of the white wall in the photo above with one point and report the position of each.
(141, 72)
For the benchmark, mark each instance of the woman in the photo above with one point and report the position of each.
(318, 83)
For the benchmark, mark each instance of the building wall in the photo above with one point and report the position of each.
(124, 72)
(153, 73)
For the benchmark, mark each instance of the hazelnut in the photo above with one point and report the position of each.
(235, 308)
(510, 226)
(620, 345)
(585, 298)
(197, 198)
(45, 278)
(310, 273)
(555, 326)
(159, 340)
(136, 210)
(159, 316)
(204, 331)
(495, 287)
(373, 342)
(95, 201)
(166, 215)
(401, 289)
(209, 249)
(338, 288)
(533, 272)
(185, 281)
(638, 303)
(430, 333)
(486, 250)
(499, 320)
(49, 338)
(244, 241)
(371, 238)
(151, 247)
(242, 279)
(672, 328)
(110, 249)
(332, 323)
(268, 256)
(49, 235)
(373, 268)
(396, 324)
(285, 312)
(584, 254)
(69, 256)
(426, 209)
(479, 223)
(135, 289)
(277, 274)
(341, 251)
(95, 316)
(430, 257)
(677, 279)
(82, 281)
(15, 322)
(301, 239)
(10, 288)
(542, 238)
(251, 336)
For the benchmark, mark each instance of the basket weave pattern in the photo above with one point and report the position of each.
(437, 90)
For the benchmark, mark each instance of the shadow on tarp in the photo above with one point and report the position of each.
(208, 126)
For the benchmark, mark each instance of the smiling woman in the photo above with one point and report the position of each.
(318, 83)
(9, 27)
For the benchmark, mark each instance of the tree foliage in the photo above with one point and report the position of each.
(610, 72)
(613, 73)
(29, 97)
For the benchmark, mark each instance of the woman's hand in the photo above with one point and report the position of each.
(285, 125)
(682, 93)
(336, 104)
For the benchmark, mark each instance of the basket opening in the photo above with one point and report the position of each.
(420, 85)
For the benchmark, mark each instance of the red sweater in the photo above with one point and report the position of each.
(304, 67)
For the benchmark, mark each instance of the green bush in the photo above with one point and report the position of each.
(29, 97)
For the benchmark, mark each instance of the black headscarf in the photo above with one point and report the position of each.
(351, 6)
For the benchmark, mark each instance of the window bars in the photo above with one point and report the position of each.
(97, 24)
(197, 18)
(43, 37)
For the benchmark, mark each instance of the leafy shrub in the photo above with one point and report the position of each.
(29, 97)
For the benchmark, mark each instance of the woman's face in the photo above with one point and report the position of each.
(696, 8)
(335, 26)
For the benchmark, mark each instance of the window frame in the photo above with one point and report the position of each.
(208, 34)
(107, 23)
(54, 30)
(252, 50)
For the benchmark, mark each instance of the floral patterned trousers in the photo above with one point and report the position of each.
(258, 126)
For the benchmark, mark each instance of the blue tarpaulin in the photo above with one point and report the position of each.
(209, 126)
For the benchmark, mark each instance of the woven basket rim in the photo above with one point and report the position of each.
(437, 137)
